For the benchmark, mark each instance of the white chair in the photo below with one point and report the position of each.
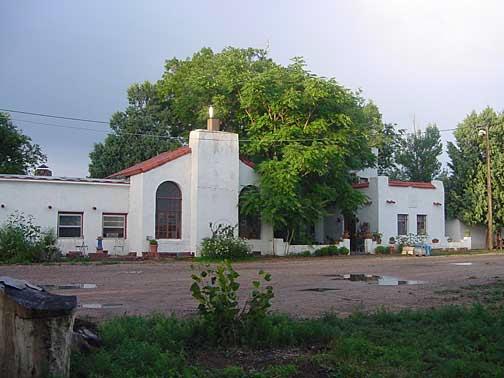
(118, 245)
(81, 246)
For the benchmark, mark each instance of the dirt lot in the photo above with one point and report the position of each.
(140, 288)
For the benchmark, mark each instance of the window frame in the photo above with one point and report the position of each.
(71, 213)
(406, 220)
(177, 214)
(125, 225)
(425, 223)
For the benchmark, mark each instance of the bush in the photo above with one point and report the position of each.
(344, 251)
(217, 294)
(224, 245)
(331, 250)
(21, 241)
(382, 250)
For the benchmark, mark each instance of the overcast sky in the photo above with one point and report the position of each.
(437, 60)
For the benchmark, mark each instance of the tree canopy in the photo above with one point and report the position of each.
(466, 189)
(18, 155)
(417, 155)
(141, 131)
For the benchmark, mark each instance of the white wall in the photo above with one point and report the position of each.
(143, 205)
(411, 201)
(32, 197)
(215, 182)
(457, 230)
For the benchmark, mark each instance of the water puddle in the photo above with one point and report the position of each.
(69, 286)
(462, 263)
(320, 289)
(100, 305)
(376, 280)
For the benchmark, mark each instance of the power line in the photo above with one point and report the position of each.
(139, 134)
(55, 116)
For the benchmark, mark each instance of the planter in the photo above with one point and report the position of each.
(153, 250)
(408, 250)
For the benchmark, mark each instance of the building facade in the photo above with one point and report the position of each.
(175, 196)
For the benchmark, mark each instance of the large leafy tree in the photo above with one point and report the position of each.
(304, 132)
(143, 130)
(417, 157)
(389, 145)
(466, 190)
(18, 155)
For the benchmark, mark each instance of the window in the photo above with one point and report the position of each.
(69, 225)
(249, 225)
(168, 211)
(402, 224)
(114, 225)
(421, 224)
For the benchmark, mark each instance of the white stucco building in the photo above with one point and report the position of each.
(173, 197)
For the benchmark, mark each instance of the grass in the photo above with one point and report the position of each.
(454, 341)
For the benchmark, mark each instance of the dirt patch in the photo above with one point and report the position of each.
(259, 360)
(164, 286)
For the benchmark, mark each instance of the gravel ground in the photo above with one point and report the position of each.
(141, 288)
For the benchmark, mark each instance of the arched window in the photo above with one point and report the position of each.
(249, 225)
(168, 211)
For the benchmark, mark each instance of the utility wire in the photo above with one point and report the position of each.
(138, 134)
(55, 116)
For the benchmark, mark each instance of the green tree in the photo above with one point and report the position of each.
(140, 132)
(18, 155)
(306, 133)
(418, 156)
(466, 191)
(389, 146)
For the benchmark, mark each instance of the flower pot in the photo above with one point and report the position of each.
(153, 249)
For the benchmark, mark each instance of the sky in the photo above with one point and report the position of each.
(432, 61)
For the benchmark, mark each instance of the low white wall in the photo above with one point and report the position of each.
(280, 247)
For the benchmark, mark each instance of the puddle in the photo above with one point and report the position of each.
(100, 306)
(320, 289)
(69, 286)
(462, 263)
(376, 280)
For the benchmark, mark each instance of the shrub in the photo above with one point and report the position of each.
(21, 241)
(343, 251)
(224, 245)
(331, 250)
(382, 250)
(217, 294)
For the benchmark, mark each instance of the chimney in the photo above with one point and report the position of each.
(43, 170)
(213, 124)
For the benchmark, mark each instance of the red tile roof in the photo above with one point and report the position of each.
(152, 163)
(248, 162)
(413, 184)
(360, 185)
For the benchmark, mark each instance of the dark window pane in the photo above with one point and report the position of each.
(249, 225)
(70, 220)
(69, 232)
(113, 232)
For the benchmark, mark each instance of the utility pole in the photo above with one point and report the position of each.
(489, 189)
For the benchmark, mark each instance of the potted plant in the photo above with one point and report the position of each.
(377, 237)
(153, 247)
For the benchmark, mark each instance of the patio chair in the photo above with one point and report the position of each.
(81, 246)
(118, 245)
